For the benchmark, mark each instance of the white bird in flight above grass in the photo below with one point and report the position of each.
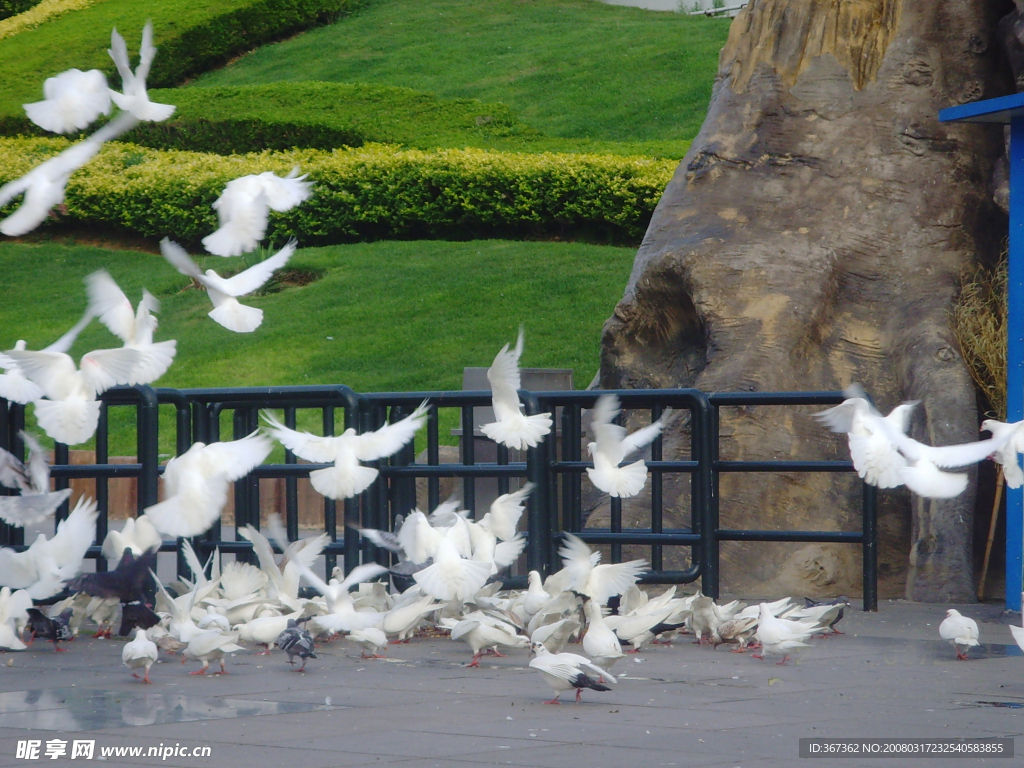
(133, 97)
(14, 386)
(612, 445)
(37, 501)
(43, 186)
(223, 292)
(197, 482)
(886, 457)
(73, 100)
(71, 411)
(347, 477)
(135, 328)
(513, 428)
(244, 206)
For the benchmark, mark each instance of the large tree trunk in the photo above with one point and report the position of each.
(813, 237)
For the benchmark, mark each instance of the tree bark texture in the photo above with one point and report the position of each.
(813, 237)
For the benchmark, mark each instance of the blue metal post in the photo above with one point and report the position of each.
(1015, 358)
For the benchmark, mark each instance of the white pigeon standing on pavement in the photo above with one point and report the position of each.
(70, 412)
(196, 483)
(73, 100)
(564, 671)
(244, 206)
(612, 445)
(347, 477)
(513, 428)
(133, 98)
(961, 632)
(600, 642)
(140, 652)
(370, 639)
(134, 327)
(224, 292)
(780, 635)
(36, 502)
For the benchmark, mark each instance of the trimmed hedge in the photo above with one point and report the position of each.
(374, 192)
(192, 38)
(10, 8)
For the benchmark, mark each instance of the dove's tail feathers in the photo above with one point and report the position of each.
(621, 482)
(519, 432)
(239, 233)
(927, 480)
(237, 317)
(335, 483)
(458, 579)
(156, 359)
(68, 421)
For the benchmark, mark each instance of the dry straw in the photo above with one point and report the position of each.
(979, 322)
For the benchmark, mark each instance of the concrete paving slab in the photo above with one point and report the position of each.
(889, 675)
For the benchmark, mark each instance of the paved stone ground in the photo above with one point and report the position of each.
(889, 676)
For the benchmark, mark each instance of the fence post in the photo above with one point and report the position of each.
(539, 542)
(709, 480)
(870, 516)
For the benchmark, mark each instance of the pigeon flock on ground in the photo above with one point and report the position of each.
(449, 565)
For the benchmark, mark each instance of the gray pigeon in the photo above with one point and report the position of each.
(296, 641)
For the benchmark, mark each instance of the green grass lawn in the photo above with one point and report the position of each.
(386, 316)
(570, 68)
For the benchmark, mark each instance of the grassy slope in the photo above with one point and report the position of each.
(571, 68)
(403, 315)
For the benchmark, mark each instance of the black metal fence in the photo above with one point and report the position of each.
(556, 467)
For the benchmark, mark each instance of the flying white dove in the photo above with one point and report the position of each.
(598, 582)
(612, 445)
(244, 206)
(70, 412)
(196, 483)
(513, 428)
(135, 328)
(886, 457)
(133, 97)
(347, 477)
(73, 100)
(1006, 456)
(36, 501)
(960, 631)
(223, 292)
(138, 534)
(48, 564)
(14, 387)
(43, 186)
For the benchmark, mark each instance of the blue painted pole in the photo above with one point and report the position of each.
(1015, 359)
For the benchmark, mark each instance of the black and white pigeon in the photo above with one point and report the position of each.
(36, 502)
(127, 582)
(563, 672)
(54, 630)
(296, 641)
(833, 618)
